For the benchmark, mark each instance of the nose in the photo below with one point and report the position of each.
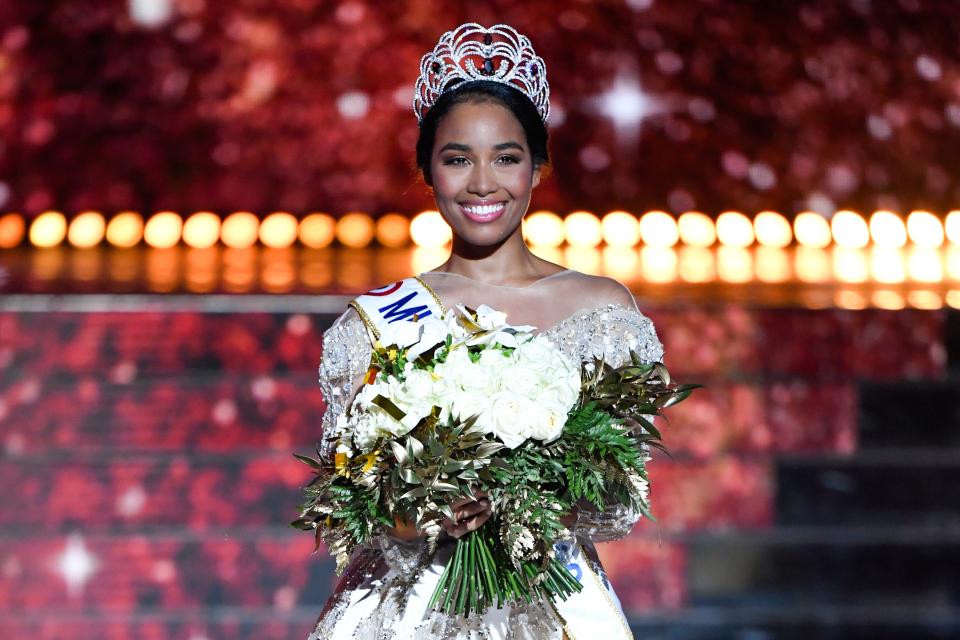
(482, 181)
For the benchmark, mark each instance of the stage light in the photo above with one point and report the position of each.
(924, 265)
(925, 300)
(201, 230)
(887, 229)
(163, 230)
(658, 229)
(317, 230)
(890, 300)
(849, 229)
(239, 230)
(772, 264)
(952, 226)
(924, 229)
(658, 264)
(621, 263)
(620, 229)
(543, 229)
(355, 230)
(772, 229)
(734, 264)
(850, 265)
(811, 230)
(12, 230)
(429, 230)
(734, 229)
(697, 229)
(852, 300)
(125, 229)
(811, 264)
(48, 229)
(953, 298)
(582, 229)
(697, 264)
(278, 230)
(393, 230)
(887, 265)
(86, 230)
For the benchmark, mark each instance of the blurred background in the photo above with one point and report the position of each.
(191, 190)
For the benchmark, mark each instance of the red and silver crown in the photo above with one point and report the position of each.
(472, 52)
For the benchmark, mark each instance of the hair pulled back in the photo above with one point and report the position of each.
(483, 91)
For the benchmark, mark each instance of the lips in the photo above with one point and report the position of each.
(486, 212)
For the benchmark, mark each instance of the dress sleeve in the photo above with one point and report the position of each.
(625, 329)
(345, 359)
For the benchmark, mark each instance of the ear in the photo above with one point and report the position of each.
(535, 177)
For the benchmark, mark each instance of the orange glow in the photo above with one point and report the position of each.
(953, 298)
(734, 264)
(201, 230)
(543, 229)
(952, 226)
(734, 229)
(86, 230)
(317, 230)
(278, 230)
(620, 229)
(393, 230)
(888, 300)
(924, 265)
(428, 229)
(773, 264)
(125, 229)
(239, 230)
(621, 263)
(925, 299)
(582, 229)
(355, 230)
(48, 229)
(887, 229)
(849, 265)
(697, 229)
(887, 265)
(772, 229)
(658, 264)
(12, 230)
(659, 229)
(811, 264)
(163, 230)
(849, 229)
(811, 230)
(924, 229)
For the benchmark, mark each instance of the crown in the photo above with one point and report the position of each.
(472, 52)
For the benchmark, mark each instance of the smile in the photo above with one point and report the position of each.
(483, 212)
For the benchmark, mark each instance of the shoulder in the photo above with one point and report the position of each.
(602, 290)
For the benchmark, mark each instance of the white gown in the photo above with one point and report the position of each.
(385, 590)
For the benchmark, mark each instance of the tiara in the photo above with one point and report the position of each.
(472, 52)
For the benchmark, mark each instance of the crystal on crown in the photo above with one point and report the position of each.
(503, 55)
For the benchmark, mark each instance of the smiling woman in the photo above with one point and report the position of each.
(483, 103)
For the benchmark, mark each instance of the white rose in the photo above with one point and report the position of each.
(506, 417)
(418, 385)
(522, 380)
(481, 377)
(547, 422)
(469, 403)
(540, 354)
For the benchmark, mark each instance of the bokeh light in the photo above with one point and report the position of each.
(773, 264)
(887, 229)
(658, 264)
(240, 230)
(734, 229)
(48, 229)
(772, 229)
(924, 229)
(850, 265)
(734, 264)
(620, 229)
(952, 226)
(12, 230)
(659, 229)
(125, 229)
(201, 230)
(428, 229)
(812, 265)
(924, 264)
(543, 229)
(393, 230)
(697, 229)
(317, 230)
(278, 230)
(355, 230)
(582, 229)
(849, 229)
(887, 265)
(811, 230)
(697, 264)
(163, 230)
(86, 229)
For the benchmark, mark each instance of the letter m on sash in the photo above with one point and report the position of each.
(396, 310)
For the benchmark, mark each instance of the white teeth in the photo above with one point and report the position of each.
(484, 210)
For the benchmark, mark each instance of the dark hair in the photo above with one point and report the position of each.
(483, 91)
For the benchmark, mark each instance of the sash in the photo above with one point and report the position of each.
(407, 300)
(595, 611)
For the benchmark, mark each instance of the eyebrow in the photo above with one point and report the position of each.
(456, 146)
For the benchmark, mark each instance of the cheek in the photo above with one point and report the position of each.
(446, 183)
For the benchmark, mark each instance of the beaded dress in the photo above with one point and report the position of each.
(384, 591)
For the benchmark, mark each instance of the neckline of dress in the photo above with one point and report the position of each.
(496, 286)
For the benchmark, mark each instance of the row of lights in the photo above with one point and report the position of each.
(242, 229)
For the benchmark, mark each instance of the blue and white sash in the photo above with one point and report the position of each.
(407, 300)
(595, 611)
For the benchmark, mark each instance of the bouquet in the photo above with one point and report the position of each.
(464, 403)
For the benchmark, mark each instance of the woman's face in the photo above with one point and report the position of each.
(483, 174)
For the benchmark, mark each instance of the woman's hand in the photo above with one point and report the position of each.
(469, 515)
